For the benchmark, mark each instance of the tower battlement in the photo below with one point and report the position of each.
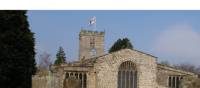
(89, 32)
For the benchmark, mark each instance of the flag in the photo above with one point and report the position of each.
(92, 20)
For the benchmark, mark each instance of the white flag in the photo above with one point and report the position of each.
(92, 20)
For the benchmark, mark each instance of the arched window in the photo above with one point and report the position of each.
(127, 75)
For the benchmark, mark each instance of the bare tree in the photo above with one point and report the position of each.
(165, 63)
(188, 67)
(44, 61)
(198, 70)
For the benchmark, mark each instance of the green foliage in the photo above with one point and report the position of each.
(60, 56)
(17, 63)
(121, 44)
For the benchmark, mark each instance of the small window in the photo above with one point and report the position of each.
(169, 82)
(174, 81)
(92, 42)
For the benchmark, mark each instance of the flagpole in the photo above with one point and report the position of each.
(95, 25)
(94, 19)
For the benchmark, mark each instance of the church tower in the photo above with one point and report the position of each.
(91, 44)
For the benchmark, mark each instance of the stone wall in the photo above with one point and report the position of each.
(45, 81)
(107, 68)
(91, 79)
(164, 71)
(190, 82)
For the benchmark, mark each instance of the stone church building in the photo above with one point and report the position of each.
(122, 69)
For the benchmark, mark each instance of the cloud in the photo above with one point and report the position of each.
(179, 42)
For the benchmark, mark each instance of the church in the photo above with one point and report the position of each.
(121, 69)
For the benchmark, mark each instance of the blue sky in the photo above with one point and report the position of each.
(172, 36)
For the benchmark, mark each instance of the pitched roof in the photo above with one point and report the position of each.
(167, 67)
(93, 60)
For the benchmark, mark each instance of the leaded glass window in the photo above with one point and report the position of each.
(127, 75)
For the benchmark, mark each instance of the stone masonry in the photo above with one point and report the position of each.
(94, 69)
(90, 42)
(107, 68)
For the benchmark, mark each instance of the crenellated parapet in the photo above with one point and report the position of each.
(90, 32)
